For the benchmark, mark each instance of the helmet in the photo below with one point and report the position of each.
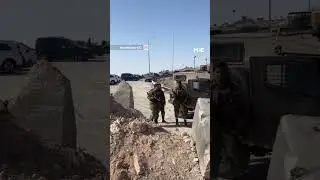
(156, 84)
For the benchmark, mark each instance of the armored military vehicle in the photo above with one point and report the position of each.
(272, 84)
(197, 85)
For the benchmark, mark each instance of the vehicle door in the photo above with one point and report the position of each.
(10, 51)
(281, 85)
(67, 49)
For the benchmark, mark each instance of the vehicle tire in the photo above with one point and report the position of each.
(8, 66)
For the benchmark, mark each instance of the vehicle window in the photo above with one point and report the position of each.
(4, 47)
(276, 75)
(180, 77)
(111, 76)
(230, 52)
(295, 77)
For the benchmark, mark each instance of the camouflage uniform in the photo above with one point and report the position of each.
(157, 102)
(226, 108)
(180, 97)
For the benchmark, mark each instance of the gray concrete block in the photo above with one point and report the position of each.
(201, 134)
(124, 95)
(45, 106)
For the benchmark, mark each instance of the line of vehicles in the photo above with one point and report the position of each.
(115, 79)
(14, 54)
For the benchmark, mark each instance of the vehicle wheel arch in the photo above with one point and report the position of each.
(11, 60)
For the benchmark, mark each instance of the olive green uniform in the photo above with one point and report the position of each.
(157, 103)
(180, 97)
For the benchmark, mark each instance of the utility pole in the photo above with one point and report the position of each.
(194, 63)
(309, 5)
(149, 55)
(270, 17)
(172, 53)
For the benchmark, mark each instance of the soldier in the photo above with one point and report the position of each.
(157, 102)
(180, 97)
(226, 109)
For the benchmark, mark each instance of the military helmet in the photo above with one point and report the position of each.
(156, 84)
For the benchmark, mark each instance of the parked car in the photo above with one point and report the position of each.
(14, 55)
(129, 77)
(114, 79)
(60, 48)
(29, 54)
(151, 77)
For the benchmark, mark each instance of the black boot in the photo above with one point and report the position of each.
(163, 119)
(156, 120)
(177, 123)
(185, 122)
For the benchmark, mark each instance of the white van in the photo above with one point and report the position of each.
(15, 54)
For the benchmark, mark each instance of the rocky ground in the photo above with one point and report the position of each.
(141, 150)
(24, 156)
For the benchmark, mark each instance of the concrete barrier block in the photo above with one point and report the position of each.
(45, 106)
(201, 134)
(124, 95)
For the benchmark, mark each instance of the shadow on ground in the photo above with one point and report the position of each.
(258, 170)
(19, 72)
(173, 125)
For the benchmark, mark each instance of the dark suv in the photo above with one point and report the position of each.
(129, 77)
(60, 48)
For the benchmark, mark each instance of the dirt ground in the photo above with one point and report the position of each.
(258, 167)
(141, 150)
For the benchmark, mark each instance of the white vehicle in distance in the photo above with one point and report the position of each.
(114, 79)
(14, 55)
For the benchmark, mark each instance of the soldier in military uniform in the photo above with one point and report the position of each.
(157, 102)
(180, 97)
(226, 108)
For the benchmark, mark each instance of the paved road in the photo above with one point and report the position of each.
(90, 100)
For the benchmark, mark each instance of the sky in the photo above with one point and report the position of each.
(25, 21)
(137, 21)
(221, 10)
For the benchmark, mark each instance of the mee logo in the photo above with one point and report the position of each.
(198, 50)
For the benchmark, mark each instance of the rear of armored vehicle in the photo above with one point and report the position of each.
(280, 86)
(197, 86)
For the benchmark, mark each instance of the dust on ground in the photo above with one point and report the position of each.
(141, 150)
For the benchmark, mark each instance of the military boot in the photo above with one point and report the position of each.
(163, 119)
(177, 122)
